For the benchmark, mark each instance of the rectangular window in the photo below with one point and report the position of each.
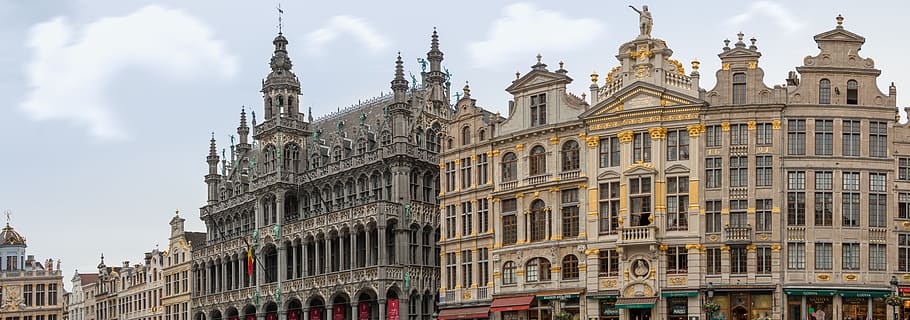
(903, 205)
(641, 147)
(878, 210)
(450, 221)
(851, 181)
(824, 180)
(763, 254)
(850, 256)
(609, 207)
(677, 145)
(763, 219)
(738, 218)
(824, 207)
(609, 152)
(451, 270)
(677, 203)
(483, 264)
(538, 110)
(465, 173)
(878, 257)
(739, 260)
(27, 295)
(850, 209)
(677, 260)
(712, 214)
(796, 256)
(608, 262)
(796, 201)
(509, 229)
(764, 175)
(713, 136)
(640, 201)
(903, 252)
(450, 176)
(739, 134)
(823, 256)
(467, 218)
(877, 182)
(467, 266)
(570, 213)
(878, 139)
(739, 172)
(713, 260)
(713, 172)
(482, 169)
(796, 137)
(765, 133)
(483, 215)
(850, 136)
(739, 88)
(824, 137)
(903, 169)
(39, 295)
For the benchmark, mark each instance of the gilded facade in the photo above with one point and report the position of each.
(650, 197)
(29, 289)
(177, 272)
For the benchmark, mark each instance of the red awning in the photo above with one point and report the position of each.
(464, 313)
(511, 304)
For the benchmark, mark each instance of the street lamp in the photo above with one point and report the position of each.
(711, 291)
(894, 283)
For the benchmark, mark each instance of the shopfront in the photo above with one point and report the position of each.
(549, 305)
(814, 304)
(637, 308)
(677, 303)
(606, 306)
(904, 293)
(744, 305)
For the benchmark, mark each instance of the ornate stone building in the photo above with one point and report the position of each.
(177, 271)
(338, 213)
(29, 289)
(141, 288)
(76, 304)
(650, 197)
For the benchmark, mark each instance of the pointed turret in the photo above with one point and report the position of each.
(281, 88)
(400, 110)
(243, 131)
(399, 84)
(211, 179)
(436, 79)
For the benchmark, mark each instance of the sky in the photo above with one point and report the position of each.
(107, 106)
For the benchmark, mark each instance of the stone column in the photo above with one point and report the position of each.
(366, 233)
(382, 311)
(330, 261)
(475, 276)
(354, 313)
(208, 278)
(294, 262)
(306, 259)
(282, 261)
(306, 313)
(548, 231)
(521, 218)
(353, 245)
(381, 237)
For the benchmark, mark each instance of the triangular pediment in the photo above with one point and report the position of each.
(739, 53)
(609, 175)
(537, 78)
(639, 96)
(839, 35)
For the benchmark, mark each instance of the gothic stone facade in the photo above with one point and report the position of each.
(653, 196)
(339, 213)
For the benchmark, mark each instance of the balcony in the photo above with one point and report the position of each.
(483, 293)
(569, 175)
(508, 185)
(878, 235)
(450, 296)
(738, 234)
(537, 179)
(796, 233)
(638, 235)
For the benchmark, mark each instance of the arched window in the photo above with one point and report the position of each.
(537, 269)
(361, 146)
(336, 154)
(482, 135)
(292, 157)
(739, 88)
(824, 91)
(537, 161)
(431, 140)
(450, 143)
(270, 158)
(314, 161)
(509, 167)
(538, 221)
(466, 135)
(570, 156)
(570, 267)
(508, 273)
(852, 92)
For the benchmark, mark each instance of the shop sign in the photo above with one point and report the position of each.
(679, 309)
(904, 292)
(558, 296)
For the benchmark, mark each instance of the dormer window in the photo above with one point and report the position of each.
(739, 88)
(538, 110)
(852, 92)
(466, 135)
(824, 91)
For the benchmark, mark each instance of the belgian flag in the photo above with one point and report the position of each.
(249, 261)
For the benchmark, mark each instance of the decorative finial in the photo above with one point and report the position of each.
(517, 74)
(467, 89)
(594, 77)
(739, 36)
(695, 64)
(177, 212)
(538, 58)
(561, 64)
(726, 43)
(840, 21)
(280, 12)
(753, 41)
(7, 213)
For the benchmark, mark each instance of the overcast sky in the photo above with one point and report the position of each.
(106, 107)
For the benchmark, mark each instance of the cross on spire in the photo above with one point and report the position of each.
(7, 213)
(280, 12)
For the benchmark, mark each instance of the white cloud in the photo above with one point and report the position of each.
(772, 10)
(339, 25)
(525, 30)
(74, 65)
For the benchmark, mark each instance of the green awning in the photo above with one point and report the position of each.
(670, 294)
(809, 292)
(864, 294)
(635, 303)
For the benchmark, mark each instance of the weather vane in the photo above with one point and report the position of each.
(280, 12)
(7, 213)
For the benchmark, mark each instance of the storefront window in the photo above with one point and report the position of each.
(608, 309)
(794, 307)
(762, 306)
(571, 306)
(677, 308)
(541, 310)
(855, 308)
(723, 313)
(878, 309)
(819, 308)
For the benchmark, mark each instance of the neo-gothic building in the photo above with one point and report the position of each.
(339, 213)
(651, 196)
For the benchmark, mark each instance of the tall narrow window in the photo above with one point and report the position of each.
(483, 215)
(677, 260)
(764, 260)
(903, 205)
(451, 270)
(878, 139)
(538, 221)
(712, 216)
(824, 137)
(763, 219)
(539, 110)
(852, 92)
(713, 260)
(850, 200)
(851, 139)
(608, 262)
(640, 198)
(878, 256)
(450, 176)
(450, 221)
(508, 273)
(713, 172)
(509, 167)
(570, 156)
(713, 136)
(824, 199)
(739, 171)
(903, 169)
(878, 206)
(467, 266)
(824, 91)
(739, 260)
(903, 252)
(466, 173)
(796, 198)
(823, 253)
(482, 169)
(677, 203)
(796, 256)
(739, 88)
(850, 256)
(678, 145)
(764, 175)
(466, 135)
(467, 218)
(641, 147)
(609, 207)
(570, 267)
(739, 134)
(509, 221)
(537, 161)
(796, 137)
(483, 265)
(765, 132)
(609, 152)
(570, 213)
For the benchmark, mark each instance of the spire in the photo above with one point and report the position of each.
(243, 130)
(213, 149)
(434, 56)
(399, 84)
